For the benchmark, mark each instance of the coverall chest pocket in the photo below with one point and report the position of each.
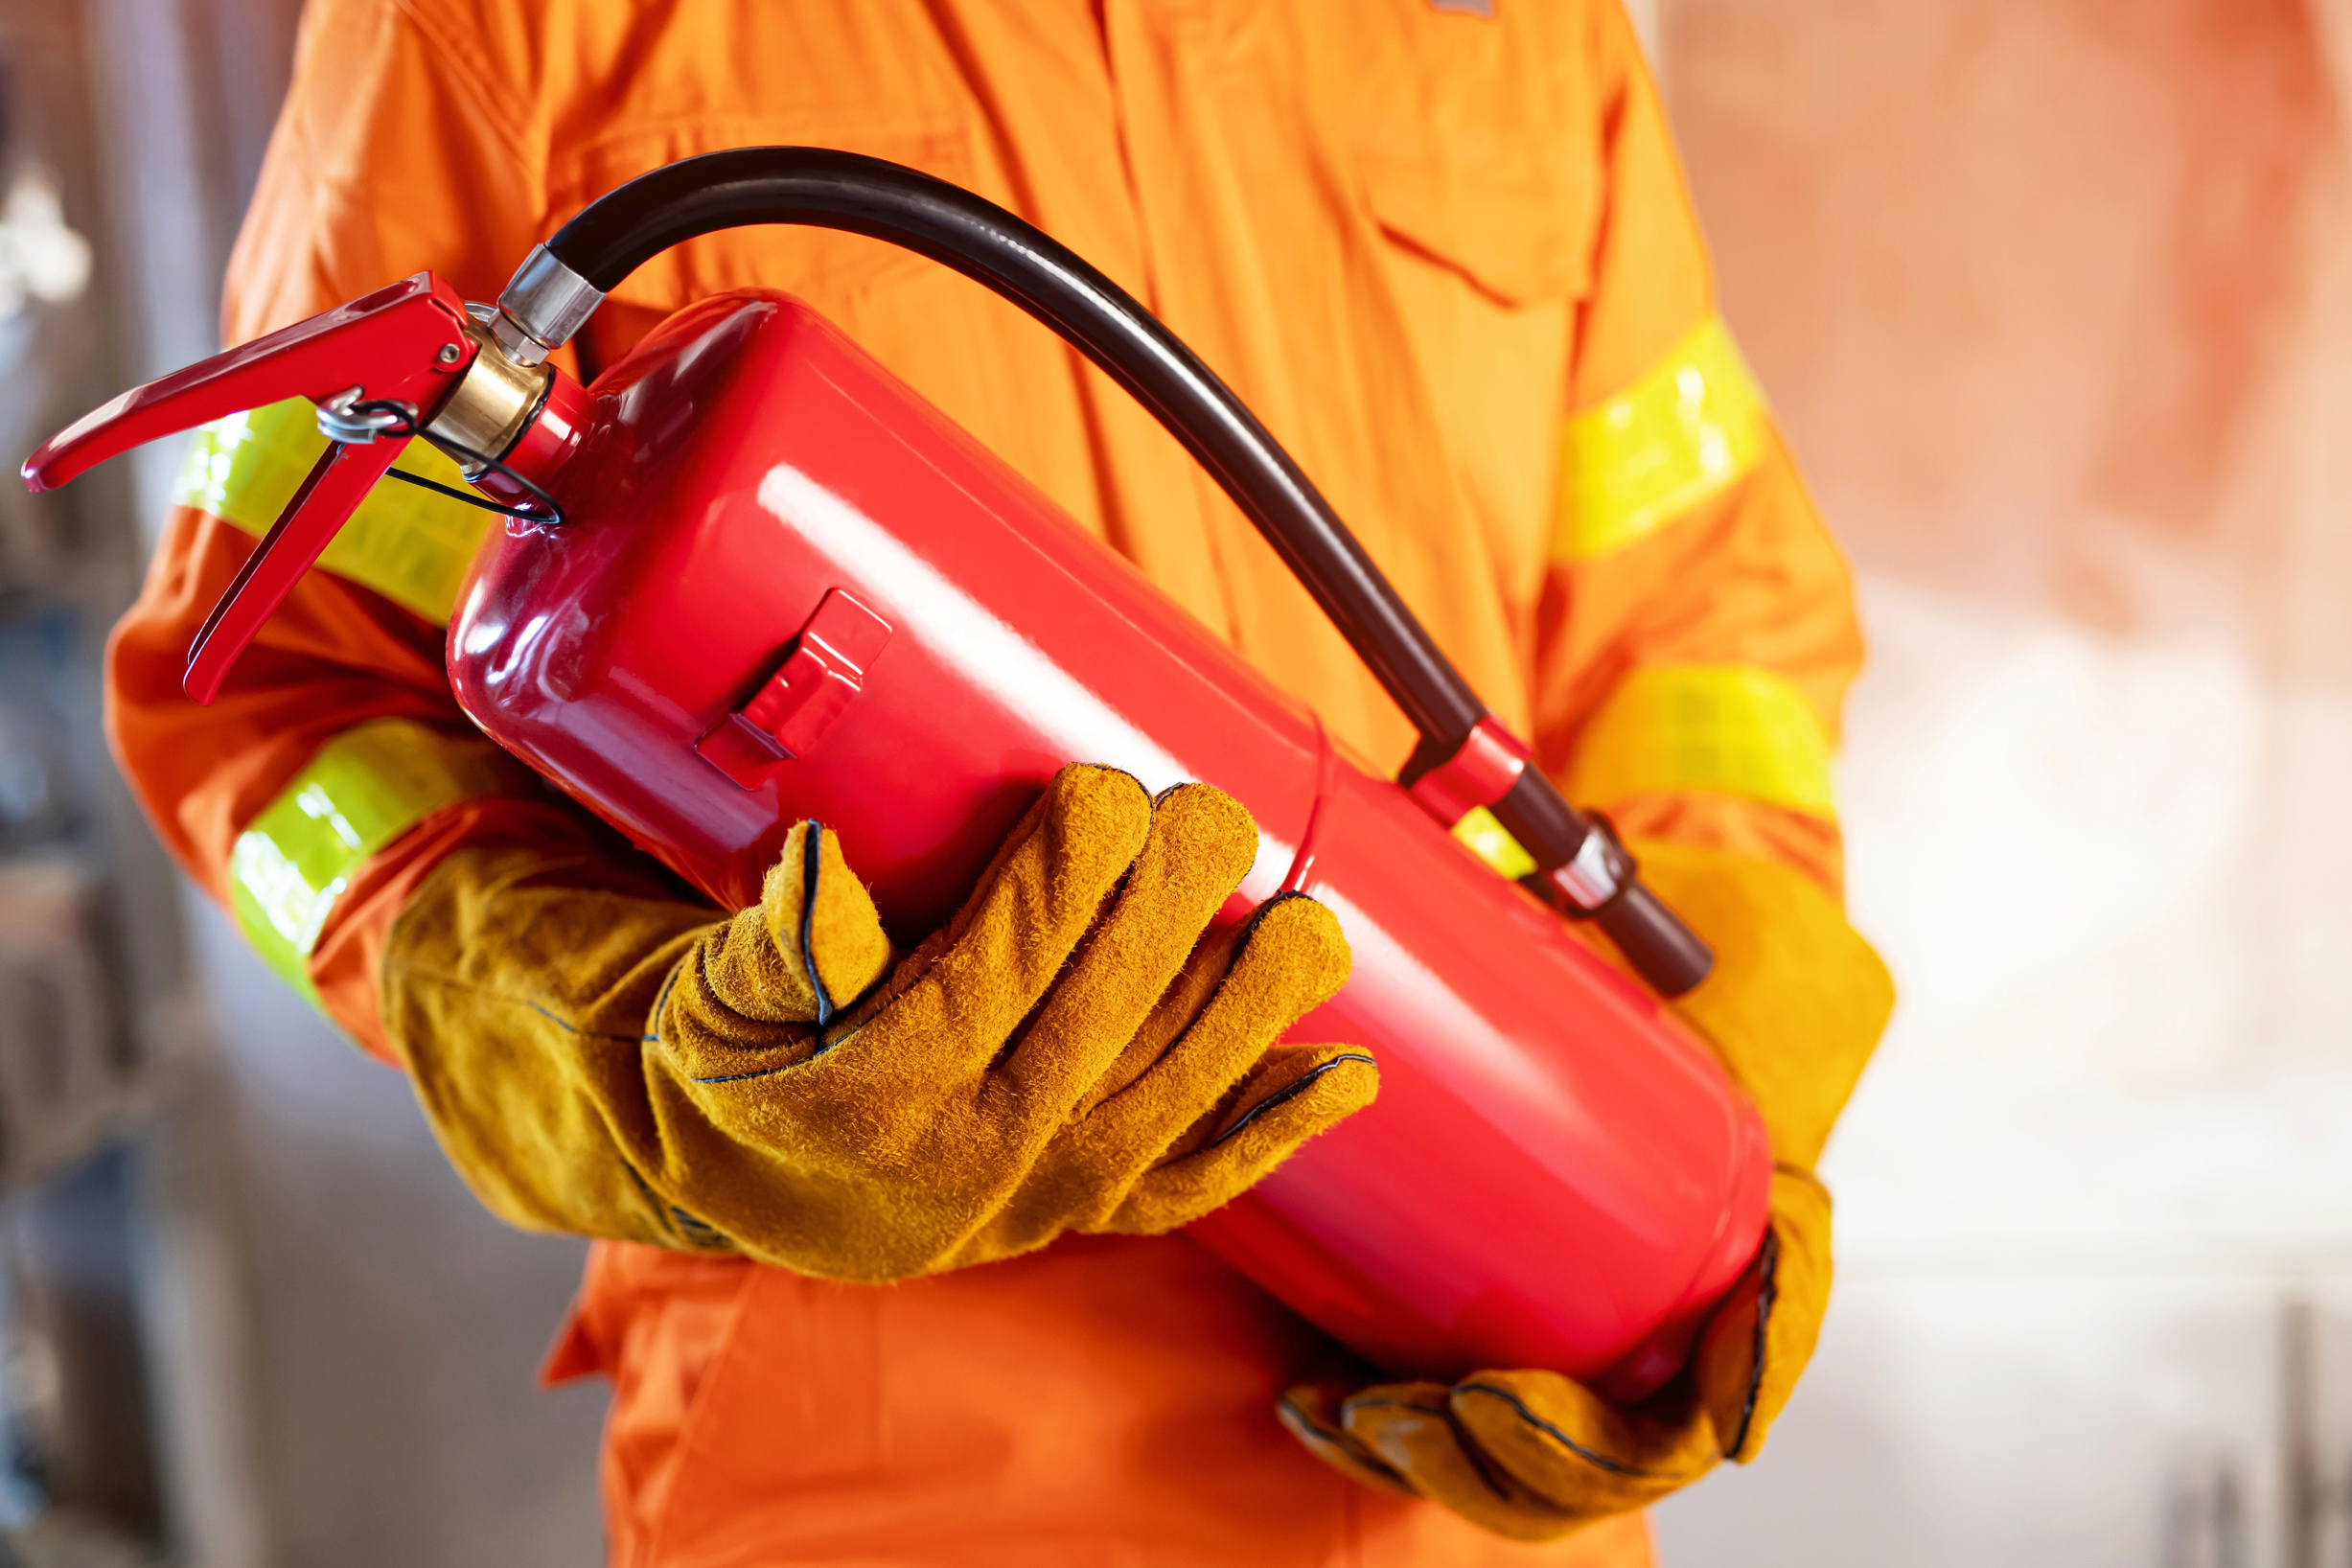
(1478, 151)
(1518, 228)
(1481, 221)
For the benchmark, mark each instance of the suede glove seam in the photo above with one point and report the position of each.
(1767, 1296)
(1479, 1463)
(1592, 1457)
(1286, 1093)
(452, 981)
(701, 968)
(557, 1019)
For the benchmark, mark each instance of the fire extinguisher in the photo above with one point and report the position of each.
(748, 577)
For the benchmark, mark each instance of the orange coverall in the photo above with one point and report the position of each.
(1445, 255)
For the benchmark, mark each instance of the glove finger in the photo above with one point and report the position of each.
(813, 945)
(1093, 1173)
(1411, 1428)
(1179, 1007)
(1559, 1441)
(1756, 1346)
(1284, 962)
(1295, 1092)
(1200, 846)
(1311, 1411)
(1258, 978)
(946, 1012)
(752, 994)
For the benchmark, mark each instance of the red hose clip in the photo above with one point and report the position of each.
(1480, 774)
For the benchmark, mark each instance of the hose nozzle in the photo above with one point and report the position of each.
(543, 304)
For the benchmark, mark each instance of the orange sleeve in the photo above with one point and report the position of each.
(1746, 576)
(387, 158)
(391, 154)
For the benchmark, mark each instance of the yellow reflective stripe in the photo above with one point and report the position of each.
(1728, 728)
(365, 789)
(1692, 425)
(1491, 842)
(409, 544)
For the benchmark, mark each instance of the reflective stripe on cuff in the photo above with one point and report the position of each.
(362, 790)
(409, 544)
(1692, 425)
(1728, 728)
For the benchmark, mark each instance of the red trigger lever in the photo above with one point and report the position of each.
(406, 344)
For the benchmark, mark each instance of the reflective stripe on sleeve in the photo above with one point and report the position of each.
(409, 544)
(1492, 842)
(1727, 728)
(1692, 425)
(365, 789)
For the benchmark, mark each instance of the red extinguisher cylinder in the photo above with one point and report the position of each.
(823, 600)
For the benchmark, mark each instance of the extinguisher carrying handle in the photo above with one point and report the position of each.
(405, 345)
(563, 282)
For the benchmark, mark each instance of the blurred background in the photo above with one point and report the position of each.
(2054, 299)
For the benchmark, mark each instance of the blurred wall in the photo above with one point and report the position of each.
(2022, 273)
(2054, 301)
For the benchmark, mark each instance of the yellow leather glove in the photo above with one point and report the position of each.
(1067, 1053)
(1794, 1006)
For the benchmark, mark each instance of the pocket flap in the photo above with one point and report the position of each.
(1516, 227)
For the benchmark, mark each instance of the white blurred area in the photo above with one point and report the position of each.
(2056, 303)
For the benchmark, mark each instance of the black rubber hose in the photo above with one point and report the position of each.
(1669, 954)
(822, 188)
(833, 190)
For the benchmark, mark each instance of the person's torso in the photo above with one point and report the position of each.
(1373, 220)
